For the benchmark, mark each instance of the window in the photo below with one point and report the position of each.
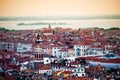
(24, 48)
(74, 70)
(78, 51)
(54, 52)
(83, 75)
(81, 69)
(8, 44)
(8, 47)
(76, 75)
(47, 60)
(55, 55)
(60, 56)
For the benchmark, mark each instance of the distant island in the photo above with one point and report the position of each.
(59, 18)
(42, 23)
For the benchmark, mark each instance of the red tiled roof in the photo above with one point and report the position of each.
(8, 77)
(103, 60)
(75, 63)
(78, 78)
(70, 66)
(83, 43)
(28, 70)
(48, 31)
(45, 68)
(97, 46)
(55, 77)
(67, 72)
(64, 49)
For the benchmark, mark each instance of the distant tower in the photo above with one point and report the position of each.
(49, 26)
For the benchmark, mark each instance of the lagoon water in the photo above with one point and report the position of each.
(88, 23)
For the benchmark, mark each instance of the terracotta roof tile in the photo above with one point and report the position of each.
(45, 68)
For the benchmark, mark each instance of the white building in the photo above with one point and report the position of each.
(55, 51)
(45, 69)
(47, 60)
(80, 50)
(79, 71)
(60, 52)
(95, 51)
(24, 47)
(58, 68)
(77, 68)
(70, 59)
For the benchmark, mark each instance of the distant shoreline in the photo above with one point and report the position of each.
(75, 24)
(59, 18)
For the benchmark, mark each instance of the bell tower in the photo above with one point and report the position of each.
(38, 51)
(39, 40)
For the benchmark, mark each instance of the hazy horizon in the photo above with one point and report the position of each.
(22, 18)
(59, 7)
(75, 13)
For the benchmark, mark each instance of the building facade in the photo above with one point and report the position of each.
(80, 50)
(21, 48)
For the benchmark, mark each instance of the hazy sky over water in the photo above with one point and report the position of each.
(59, 7)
